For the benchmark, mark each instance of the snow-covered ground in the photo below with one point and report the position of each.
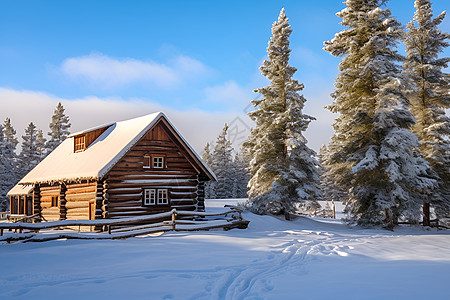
(272, 259)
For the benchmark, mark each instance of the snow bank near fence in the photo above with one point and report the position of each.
(272, 259)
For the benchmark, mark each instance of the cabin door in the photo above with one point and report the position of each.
(92, 210)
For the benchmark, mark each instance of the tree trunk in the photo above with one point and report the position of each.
(389, 220)
(426, 214)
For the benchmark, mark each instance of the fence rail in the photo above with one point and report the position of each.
(121, 228)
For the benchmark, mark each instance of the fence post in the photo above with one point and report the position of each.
(334, 209)
(173, 219)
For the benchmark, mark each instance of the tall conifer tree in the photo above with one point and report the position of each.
(7, 174)
(240, 176)
(10, 145)
(283, 168)
(28, 157)
(222, 162)
(59, 128)
(41, 148)
(330, 190)
(209, 185)
(10, 134)
(429, 95)
(372, 150)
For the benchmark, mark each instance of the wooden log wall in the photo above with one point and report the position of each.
(128, 177)
(46, 193)
(105, 200)
(99, 200)
(78, 196)
(201, 196)
(36, 200)
(62, 202)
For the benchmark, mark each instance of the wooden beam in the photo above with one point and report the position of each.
(36, 201)
(62, 202)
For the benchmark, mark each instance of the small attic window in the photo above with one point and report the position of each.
(79, 143)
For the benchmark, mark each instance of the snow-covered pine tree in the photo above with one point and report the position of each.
(240, 176)
(11, 144)
(283, 169)
(429, 95)
(7, 172)
(372, 149)
(59, 128)
(330, 190)
(28, 157)
(41, 147)
(10, 134)
(222, 161)
(209, 185)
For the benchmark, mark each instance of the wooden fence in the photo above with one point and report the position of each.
(126, 227)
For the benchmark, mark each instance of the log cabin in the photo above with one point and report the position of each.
(122, 169)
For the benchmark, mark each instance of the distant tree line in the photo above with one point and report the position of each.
(34, 148)
(230, 170)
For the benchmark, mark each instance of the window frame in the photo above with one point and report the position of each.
(79, 143)
(162, 162)
(166, 198)
(151, 197)
(149, 162)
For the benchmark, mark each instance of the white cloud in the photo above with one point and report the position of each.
(23, 107)
(108, 72)
(197, 126)
(230, 93)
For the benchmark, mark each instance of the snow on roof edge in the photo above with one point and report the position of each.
(20, 189)
(91, 129)
(125, 149)
(103, 170)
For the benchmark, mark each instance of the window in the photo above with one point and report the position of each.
(149, 197)
(79, 143)
(154, 161)
(158, 162)
(147, 161)
(163, 197)
(155, 197)
(15, 204)
(54, 201)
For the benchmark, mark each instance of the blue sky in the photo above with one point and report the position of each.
(197, 60)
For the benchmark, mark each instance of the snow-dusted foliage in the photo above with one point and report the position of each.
(59, 128)
(330, 190)
(232, 175)
(209, 185)
(10, 134)
(429, 95)
(372, 151)
(28, 157)
(240, 175)
(7, 169)
(41, 147)
(222, 165)
(283, 168)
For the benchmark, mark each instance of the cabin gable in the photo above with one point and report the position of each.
(137, 188)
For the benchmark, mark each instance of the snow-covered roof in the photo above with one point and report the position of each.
(91, 129)
(63, 164)
(19, 189)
